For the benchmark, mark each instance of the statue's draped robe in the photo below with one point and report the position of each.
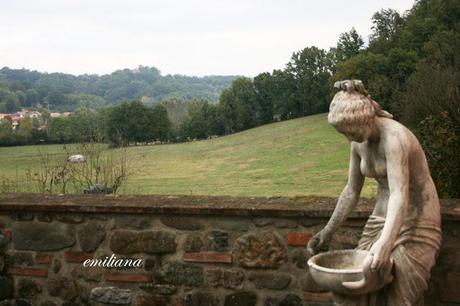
(414, 254)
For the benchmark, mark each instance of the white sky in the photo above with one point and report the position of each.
(194, 37)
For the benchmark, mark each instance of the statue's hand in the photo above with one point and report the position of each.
(380, 253)
(372, 280)
(318, 243)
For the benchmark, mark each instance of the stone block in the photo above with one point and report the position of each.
(90, 235)
(111, 295)
(153, 300)
(241, 298)
(218, 240)
(70, 218)
(133, 222)
(200, 299)
(300, 258)
(19, 259)
(149, 263)
(450, 290)
(270, 280)
(318, 297)
(182, 223)
(309, 222)
(285, 223)
(227, 278)
(22, 216)
(289, 299)
(160, 289)
(263, 221)
(193, 243)
(259, 250)
(180, 274)
(6, 288)
(234, 224)
(42, 236)
(45, 217)
(28, 288)
(151, 242)
(63, 287)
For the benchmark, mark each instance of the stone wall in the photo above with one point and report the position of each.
(196, 251)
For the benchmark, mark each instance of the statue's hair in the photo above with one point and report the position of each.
(352, 106)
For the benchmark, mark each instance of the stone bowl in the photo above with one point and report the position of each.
(331, 269)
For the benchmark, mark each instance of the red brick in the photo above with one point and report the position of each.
(318, 297)
(212, 257)
(129, 278)
(7, 232)
(298, 239)
(34, 272)
(43, 259)
(77, 257)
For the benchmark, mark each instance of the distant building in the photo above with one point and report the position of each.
(57, 115)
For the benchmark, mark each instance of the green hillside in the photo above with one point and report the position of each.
(299, 157)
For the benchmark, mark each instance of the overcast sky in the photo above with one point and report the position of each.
(192, 37)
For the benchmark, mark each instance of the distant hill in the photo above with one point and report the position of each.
(66, 92)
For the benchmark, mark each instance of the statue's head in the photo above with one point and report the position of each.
(352, 111)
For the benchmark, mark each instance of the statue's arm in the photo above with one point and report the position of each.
(349, 196)
(397, 156)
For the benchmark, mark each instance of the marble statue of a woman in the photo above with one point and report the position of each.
(403, 234)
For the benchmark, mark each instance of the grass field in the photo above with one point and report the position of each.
(299, 157)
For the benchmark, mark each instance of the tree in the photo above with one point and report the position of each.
(385, 24)
(32, 97)
(86, 100)
(136, 122)
(61, 130)
(216, 120)
(162, 125)
(263, 85)
(5, 128)
(239, 105)
(25, 126)
(87, 125)
(56, 99)
(9, 102)
(196, 125)
(22, 98)
(310, 70)
(284, 89)
(350, 44)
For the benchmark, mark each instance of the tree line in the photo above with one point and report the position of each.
(411, 66)
(122, 125)
(21, 88)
